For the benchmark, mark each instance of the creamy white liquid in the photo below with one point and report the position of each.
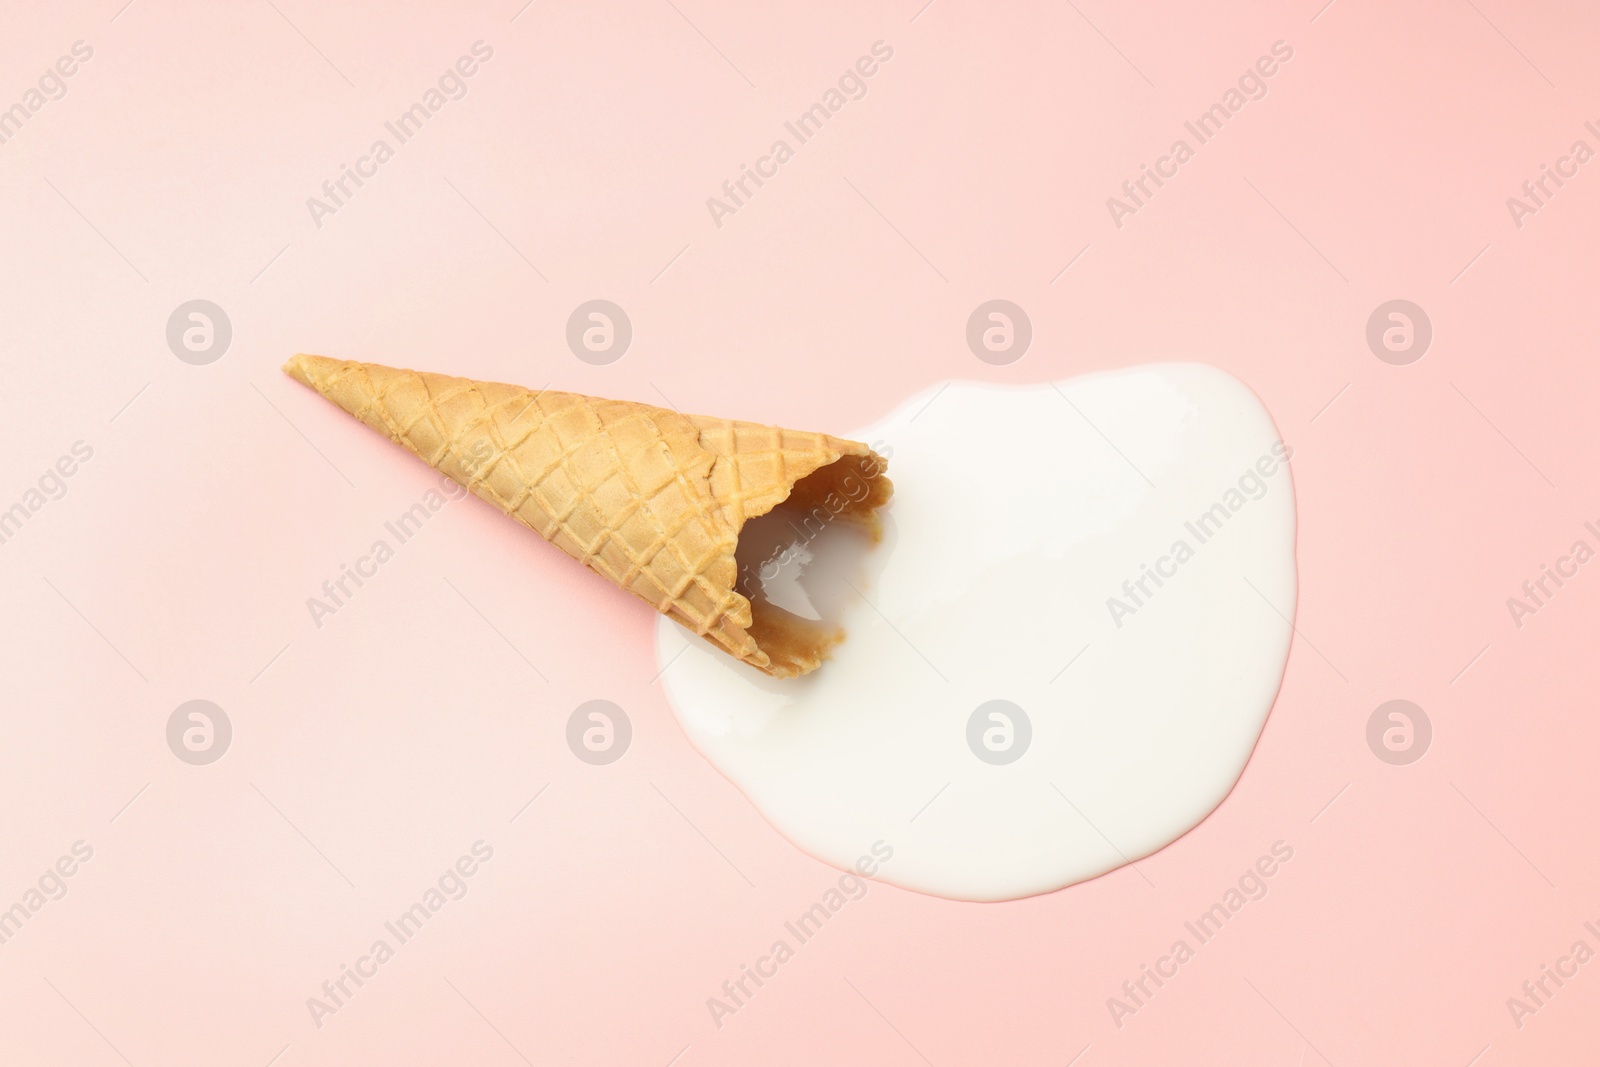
(1018, 513)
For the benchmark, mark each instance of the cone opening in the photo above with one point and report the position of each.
(794, 560)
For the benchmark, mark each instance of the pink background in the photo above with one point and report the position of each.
(370, 753)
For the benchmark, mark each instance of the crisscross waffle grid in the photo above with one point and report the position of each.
(649, 499)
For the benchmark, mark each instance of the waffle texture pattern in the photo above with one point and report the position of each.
(650, 499)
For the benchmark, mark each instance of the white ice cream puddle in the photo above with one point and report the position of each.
(1019, 514)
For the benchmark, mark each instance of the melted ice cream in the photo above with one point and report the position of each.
(1059, 655)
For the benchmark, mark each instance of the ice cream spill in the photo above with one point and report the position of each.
(1059, 655)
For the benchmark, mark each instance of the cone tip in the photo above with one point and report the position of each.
(299, 368)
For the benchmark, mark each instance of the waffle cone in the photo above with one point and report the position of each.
(649, 499)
